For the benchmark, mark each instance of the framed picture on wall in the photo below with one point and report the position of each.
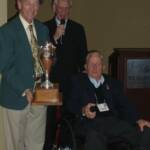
(138, 73)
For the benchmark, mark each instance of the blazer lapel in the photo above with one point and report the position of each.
(37, 32)
(20, 32)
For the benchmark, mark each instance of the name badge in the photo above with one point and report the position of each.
(103, 107)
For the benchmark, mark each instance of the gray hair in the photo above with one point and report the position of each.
(40, 1)
(92, 53)
(56, 1)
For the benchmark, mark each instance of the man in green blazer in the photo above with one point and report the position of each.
(24, 123)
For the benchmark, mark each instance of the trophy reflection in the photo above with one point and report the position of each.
(47, 58)
(47, 93)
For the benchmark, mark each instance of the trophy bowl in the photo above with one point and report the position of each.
(47, 92)
(47, 57)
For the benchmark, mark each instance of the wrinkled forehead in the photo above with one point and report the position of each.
(39, 1)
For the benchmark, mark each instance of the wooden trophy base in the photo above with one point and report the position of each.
(50, 96)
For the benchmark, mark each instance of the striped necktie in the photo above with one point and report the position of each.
(34, 46)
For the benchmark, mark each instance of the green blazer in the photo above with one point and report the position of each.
(16, 63)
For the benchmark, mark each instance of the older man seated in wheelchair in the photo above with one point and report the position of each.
(103, 112)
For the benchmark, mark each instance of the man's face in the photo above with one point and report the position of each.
(94, 67)
(28, 9)
(62, 9)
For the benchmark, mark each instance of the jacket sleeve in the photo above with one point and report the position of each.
(82, 48)
(74, 103)
(7, 63)
(125, 108)
(6, 51)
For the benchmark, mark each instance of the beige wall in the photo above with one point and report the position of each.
(108, 24)
(3, 19)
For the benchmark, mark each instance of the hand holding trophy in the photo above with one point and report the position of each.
(47, 92)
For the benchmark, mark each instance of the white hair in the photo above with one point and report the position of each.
(94, 53)
(54, 2)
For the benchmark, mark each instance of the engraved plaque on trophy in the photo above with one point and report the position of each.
(46, 92)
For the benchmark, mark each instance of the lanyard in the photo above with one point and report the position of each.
(96, 99)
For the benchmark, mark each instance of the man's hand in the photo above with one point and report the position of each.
(143, 123)
(86, 110)
(60, 31)
(29, 96)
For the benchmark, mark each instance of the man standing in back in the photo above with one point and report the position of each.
(71, 47)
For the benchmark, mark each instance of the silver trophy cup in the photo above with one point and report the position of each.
(47, 57)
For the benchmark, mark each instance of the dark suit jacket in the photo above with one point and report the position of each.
(71, 54)
(16, 63)
(83, 92)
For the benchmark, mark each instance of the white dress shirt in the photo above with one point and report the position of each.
(97, 83)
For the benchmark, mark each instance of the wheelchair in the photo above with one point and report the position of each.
(69, 139)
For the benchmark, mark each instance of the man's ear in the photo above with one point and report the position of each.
(18, 4)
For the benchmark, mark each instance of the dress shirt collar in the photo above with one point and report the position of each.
(58, 22)
(95, 82)
(26, 27)
(25, 23)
